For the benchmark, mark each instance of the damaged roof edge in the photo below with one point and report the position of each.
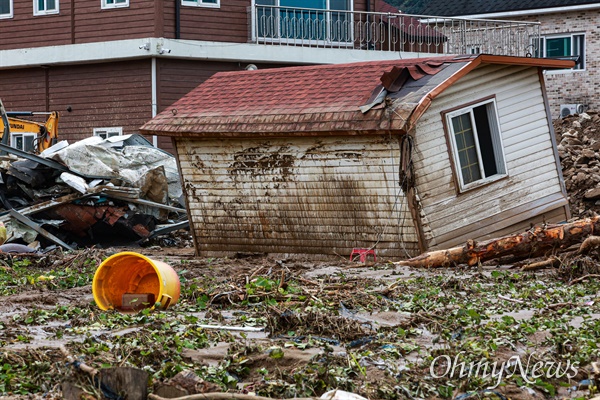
(544, 63)
(344, 122)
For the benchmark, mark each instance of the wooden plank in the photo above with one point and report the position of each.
(445, 198)
(539, 129)
(443, 187)
(487, 75)
(473, 213)
(509, 218)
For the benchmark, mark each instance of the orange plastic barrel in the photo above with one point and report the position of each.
(128, 273)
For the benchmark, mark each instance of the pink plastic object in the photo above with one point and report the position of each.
(363, 253)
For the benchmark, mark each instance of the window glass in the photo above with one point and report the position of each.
(115, 3)
(558, 47)
(292, 21)
(476, 144)
(201, 3)
(303, 3)
(339, 5)
(5, 8)
(43, 7)
(23, 141)
(562, 46)
(106, 133)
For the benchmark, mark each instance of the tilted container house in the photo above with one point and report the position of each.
(401, 156)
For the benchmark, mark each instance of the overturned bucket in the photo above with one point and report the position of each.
(130, 281)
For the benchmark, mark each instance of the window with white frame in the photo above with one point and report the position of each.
(6, 9)
(45, 7)
(562, 46)
(202, 3)
(476, 144)
(106, 133)
(25, 141)
(312, 20)
(114, 3)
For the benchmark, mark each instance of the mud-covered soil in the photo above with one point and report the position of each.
(299, 328)
(285, 328)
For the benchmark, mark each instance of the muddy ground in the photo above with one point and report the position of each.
(377, 330)
(285, 328)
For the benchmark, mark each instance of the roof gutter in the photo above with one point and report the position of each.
(537, 11)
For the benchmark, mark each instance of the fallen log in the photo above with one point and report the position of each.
(537, 241)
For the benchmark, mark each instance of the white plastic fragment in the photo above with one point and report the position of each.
(341, 395)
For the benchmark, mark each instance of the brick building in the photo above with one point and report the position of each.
(568, 28)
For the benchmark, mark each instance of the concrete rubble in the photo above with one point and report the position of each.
(91, 193)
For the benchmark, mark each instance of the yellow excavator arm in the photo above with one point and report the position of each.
(26, 134)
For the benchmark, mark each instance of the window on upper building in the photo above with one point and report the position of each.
(25, 141)
(202, 3)
(45, 7)
(560, 46)
(115, 3)
(106, 133)
(6, 8)
(305, 20)
(476, 144)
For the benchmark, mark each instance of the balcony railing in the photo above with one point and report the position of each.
(306, 27)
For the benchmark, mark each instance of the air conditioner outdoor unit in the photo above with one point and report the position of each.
(569, 109)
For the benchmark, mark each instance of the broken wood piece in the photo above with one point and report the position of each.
(222, 396)
(26, 221)
(549, 263)
(589, 244)
(233, 328)
(145, 202)
(46, 205)
(164, 229)
(535, 242)
(510, 299)
(559, 305)
(128, 382)
(307, 281)
(80, 365)
(581, 279)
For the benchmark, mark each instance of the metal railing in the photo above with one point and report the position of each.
(285, 26)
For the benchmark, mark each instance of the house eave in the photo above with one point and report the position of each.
(148, 48)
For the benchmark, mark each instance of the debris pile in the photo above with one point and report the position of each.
(93, 192)
(578, 140)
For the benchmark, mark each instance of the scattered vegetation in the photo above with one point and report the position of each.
(440, 320)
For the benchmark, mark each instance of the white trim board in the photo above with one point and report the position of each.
(191, 50)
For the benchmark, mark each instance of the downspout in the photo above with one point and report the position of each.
(177, 19)
(154, 94)
(72, 21)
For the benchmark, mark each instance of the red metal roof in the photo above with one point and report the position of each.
(319, 100)
(309, 98)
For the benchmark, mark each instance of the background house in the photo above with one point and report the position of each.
(116, 63)
(401, 155)
(568, 28)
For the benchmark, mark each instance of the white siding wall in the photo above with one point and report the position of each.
(319, 196)
(533, 180)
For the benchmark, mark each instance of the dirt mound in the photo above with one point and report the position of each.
(578, 139)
